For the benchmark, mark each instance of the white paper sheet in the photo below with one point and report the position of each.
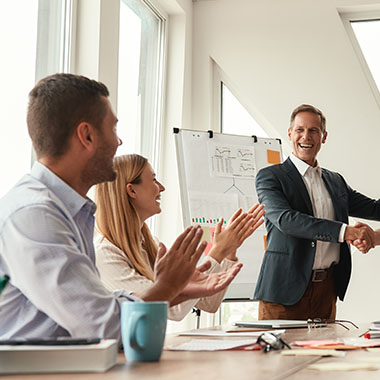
(344, 366)
(211, 344)
(313, 352)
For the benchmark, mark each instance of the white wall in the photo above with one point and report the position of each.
(277, 55)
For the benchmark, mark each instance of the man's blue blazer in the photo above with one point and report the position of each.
(292, 231)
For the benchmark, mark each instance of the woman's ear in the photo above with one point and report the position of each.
(130, 190)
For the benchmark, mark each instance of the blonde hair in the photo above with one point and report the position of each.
(117, 219)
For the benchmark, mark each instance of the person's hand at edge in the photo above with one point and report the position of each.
(361, 236)
(362, 245)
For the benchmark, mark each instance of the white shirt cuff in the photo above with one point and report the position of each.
(342, 232)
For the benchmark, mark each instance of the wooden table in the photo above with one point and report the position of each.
(229, 365)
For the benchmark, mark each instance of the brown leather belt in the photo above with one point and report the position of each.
(319, 275)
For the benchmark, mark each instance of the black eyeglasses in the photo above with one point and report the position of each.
(319, 322)
(269, 341)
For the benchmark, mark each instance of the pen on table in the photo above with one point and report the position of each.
(365, 332)
(3, 282)
(372, 334)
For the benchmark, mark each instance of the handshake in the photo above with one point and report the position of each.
(362, 236)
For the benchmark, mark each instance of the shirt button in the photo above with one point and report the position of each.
(312, 244)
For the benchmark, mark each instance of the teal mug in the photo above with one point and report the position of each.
(143, 328)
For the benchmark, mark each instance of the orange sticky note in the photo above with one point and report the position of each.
(273, 157)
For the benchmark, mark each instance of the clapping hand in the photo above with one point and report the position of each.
(239, 227)
(204, 285)
(174, 268)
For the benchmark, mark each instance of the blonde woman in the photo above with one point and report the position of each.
(125, 249)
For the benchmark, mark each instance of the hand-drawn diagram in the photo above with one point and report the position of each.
(232, 161)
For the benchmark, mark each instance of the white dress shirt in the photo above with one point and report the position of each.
(326, 253)
(46, 247)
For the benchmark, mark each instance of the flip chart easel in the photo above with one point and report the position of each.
(217, 176)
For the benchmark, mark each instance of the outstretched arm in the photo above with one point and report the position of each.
(280, 212)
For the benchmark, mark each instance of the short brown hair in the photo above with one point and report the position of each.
(57, 104)
(308, 108)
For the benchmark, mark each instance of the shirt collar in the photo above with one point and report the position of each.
(69, 197)
(303, 167)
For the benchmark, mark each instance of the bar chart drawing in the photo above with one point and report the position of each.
(207, 210)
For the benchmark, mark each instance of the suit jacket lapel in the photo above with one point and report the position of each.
(295, 176)
(330, 188)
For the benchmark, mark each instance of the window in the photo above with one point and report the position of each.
(18, 72)
(367, 33)
(32, 47)
(140, 78)
(234, 117)
(363, 29)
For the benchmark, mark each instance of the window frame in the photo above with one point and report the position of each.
(217, 81)
(63, 61)
(160, 90)
(53, 55)
(154, 132)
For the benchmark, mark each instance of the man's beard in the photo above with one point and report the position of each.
(99, 168)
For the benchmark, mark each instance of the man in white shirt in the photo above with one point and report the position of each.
(47, 224)
(307, 263)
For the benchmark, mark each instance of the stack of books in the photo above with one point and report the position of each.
(375, 325)
(374, 331)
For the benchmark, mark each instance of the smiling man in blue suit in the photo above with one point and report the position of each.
(307, 264)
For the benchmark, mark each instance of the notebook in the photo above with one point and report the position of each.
(58, 358)
(273, 324)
